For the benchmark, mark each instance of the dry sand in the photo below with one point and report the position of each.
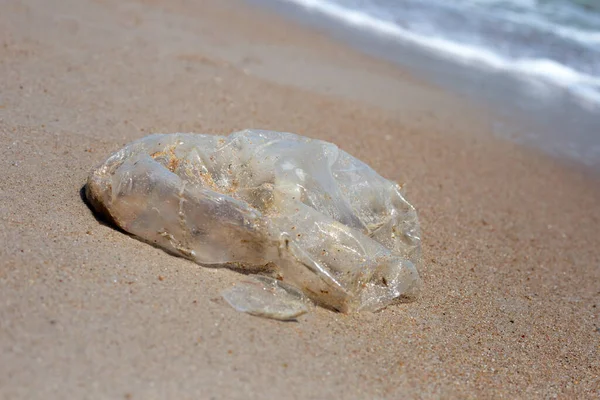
(511, 262)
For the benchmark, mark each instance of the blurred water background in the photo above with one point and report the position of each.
(536, 61)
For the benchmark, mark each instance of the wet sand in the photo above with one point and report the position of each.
(511, 244)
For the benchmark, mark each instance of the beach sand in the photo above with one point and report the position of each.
(511, 245)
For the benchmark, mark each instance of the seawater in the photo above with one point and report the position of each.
(556, 41)
(539, 59)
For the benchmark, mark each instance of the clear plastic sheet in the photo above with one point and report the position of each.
(297, 208)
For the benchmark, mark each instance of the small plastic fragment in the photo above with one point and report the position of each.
(266, 297)
(272, 202)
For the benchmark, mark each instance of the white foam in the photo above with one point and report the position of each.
(585, 37)
(587, 87)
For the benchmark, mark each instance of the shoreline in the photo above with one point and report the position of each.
(510, 304)
(536, 114)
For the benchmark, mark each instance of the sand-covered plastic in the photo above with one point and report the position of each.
(316, 222)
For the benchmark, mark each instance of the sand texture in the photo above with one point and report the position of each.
(511, 244)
